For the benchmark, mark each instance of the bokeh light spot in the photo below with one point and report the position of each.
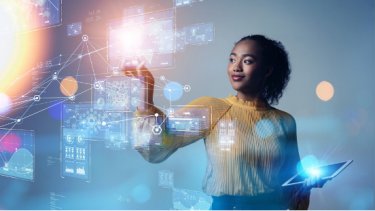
(264, 128)
(141, 193)
(69, 86)
(9, 143)
(55, 111)
(363, 199)
(173, 91)
(325, 91)
(5, 103)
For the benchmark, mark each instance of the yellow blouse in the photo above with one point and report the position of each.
(252, 150)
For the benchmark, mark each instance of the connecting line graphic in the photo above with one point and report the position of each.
(48, 81)
(92, 66)
(38, 94)
(98, 50)
(56, 8)
(20, 102)
(25, 117)
(79, 63)
(56, 104)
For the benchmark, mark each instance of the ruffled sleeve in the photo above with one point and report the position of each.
(156, 146)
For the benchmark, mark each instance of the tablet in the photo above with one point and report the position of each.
(325, 172)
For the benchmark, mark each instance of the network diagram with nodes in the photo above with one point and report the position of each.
(108, 116)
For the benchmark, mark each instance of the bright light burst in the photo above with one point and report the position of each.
(19, 49)
(314, 172)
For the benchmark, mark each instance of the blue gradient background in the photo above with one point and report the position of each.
(330, 40)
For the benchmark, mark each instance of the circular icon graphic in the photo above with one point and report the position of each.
(156, 129)
(187, 88)
(173, 91)
(85, 38)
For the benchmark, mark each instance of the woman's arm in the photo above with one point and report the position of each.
(298, 195)
(157, 146)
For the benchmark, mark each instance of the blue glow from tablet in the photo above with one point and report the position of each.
(314, 172)
(307, 162)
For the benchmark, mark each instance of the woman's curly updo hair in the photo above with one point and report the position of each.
(275, 57)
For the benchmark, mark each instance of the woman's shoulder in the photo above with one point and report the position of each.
(283, 116)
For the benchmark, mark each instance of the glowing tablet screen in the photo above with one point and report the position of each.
(323, 172)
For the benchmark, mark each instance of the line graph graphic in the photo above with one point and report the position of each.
(17, 154)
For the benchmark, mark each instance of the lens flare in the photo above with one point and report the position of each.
(19, 50)
(308, 162)
(69, 86)
(325, 91)
(314, 172)
(132, 39)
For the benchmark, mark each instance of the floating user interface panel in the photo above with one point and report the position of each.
(196, 34)
(75, 155)
(184, 199)
(149, 37)
(181, 3)
(112, 127)
(118, 93)
(199, 34)
(188, 120)
(120, 136)
(29, 15)
(74, 29)
(17, 154)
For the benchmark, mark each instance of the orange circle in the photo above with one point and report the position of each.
(325, 91)
(69, 86)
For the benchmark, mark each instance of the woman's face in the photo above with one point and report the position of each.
(246, 69)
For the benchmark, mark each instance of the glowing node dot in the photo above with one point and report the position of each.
(187, 88)
(97, 85)
(156, 114)
(104, 123)
(170, 111)
(325, 91)
(85, 38)
(69, 86)
(36, 98)
(156, 129)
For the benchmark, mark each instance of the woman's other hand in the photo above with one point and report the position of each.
(314, 182)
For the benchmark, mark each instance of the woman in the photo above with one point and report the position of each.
(247, 171)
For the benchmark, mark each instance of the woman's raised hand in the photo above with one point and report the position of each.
(140, 71)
